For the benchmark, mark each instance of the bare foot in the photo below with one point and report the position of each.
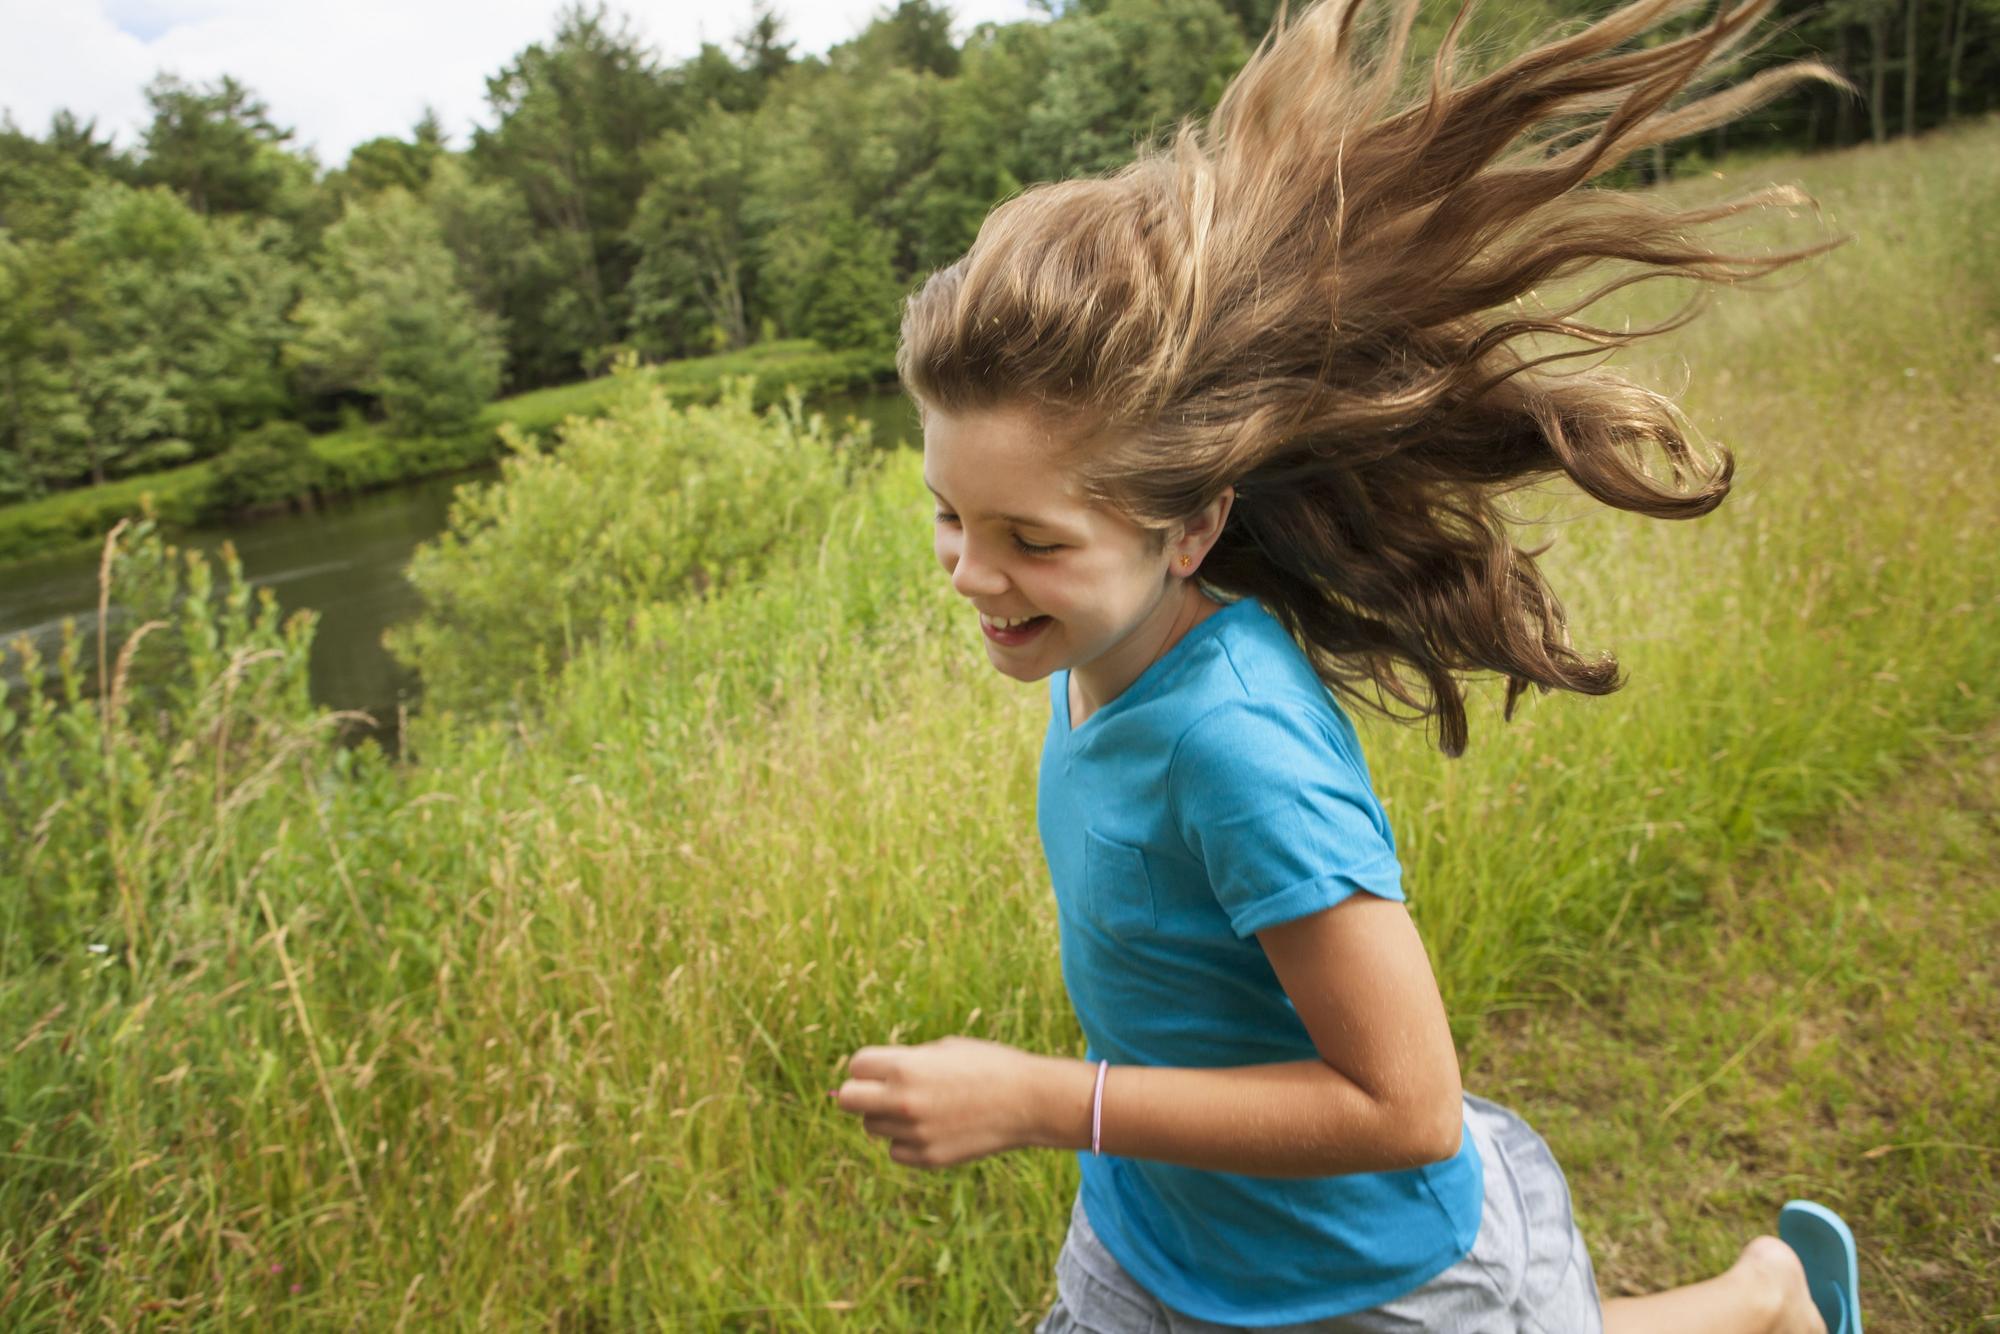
(1772, 1270)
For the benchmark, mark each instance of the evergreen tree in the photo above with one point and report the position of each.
(216, 147)
(43, 184)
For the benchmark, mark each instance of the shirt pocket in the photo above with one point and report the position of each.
(1117, 891)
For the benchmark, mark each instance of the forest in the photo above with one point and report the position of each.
(169, 300)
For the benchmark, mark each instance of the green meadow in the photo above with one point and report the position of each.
(534, 1027)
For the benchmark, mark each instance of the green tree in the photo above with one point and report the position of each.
(77, 141)
(1124, 74)
(386, 317)
(847, 294)
(377, 164)
(218, 148)
(572, 116)
(850, 136)
(504, 264)
(915, 35)
(43, 183)
(174, 325)
(42, 427)
(981, 159)
(712, 77)
(691, 236)
(1254, 17)
(765, 56)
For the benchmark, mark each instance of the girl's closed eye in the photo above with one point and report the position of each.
(1030, 548)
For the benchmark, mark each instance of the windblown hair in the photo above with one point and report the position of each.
(1323, 300)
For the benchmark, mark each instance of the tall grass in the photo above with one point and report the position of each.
(536, 1028)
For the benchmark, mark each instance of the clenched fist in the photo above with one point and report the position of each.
(949, 1101)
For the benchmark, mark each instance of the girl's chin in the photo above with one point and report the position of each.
(1021, 666)
(1032, 660)
(1026, 676)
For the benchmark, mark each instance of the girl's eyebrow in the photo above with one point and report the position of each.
(1023, 519)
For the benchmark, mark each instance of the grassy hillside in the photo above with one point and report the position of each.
(535, 1028)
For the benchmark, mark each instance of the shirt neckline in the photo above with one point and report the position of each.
(1147, 681)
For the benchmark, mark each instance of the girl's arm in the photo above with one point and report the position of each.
(1383, 1095)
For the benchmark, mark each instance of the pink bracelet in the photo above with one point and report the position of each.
(1097, 1109)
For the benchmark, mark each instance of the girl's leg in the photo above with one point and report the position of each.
(1764, 1292)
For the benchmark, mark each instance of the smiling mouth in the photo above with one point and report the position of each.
(1014, 632)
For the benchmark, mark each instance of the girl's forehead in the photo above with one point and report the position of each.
(1001, 460)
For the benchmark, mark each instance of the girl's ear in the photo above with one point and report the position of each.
(1204, 527)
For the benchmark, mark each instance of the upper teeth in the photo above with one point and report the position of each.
(999, 624)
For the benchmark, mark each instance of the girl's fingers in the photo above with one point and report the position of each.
(888, 1127)
(873, 1063)
(863, 1095)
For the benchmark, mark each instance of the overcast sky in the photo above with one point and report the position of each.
(341, 71)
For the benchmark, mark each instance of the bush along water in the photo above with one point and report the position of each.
(646, 504)
(272, 467)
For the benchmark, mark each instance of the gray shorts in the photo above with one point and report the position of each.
(1527, 1270)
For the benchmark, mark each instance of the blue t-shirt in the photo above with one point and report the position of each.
(1222, 792)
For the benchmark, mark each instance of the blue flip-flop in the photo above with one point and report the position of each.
(1833, 1272)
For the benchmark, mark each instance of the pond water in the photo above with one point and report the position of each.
(345, 560)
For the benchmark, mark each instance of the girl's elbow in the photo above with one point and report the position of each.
(1425, 1138)
(1448, 1136)
(1435, 1128)
(1409, 1134)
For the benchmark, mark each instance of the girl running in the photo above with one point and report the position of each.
(1216, 443)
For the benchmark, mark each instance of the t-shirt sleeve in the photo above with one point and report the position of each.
(1278, 814)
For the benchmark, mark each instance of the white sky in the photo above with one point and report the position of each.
(341, 71)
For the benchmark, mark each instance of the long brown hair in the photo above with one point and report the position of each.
(1323, 297)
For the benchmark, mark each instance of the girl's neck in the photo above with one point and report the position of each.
(1094, 684)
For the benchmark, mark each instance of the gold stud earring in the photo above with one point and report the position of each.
(1186, 561)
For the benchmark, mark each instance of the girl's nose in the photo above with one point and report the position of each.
(976, 579)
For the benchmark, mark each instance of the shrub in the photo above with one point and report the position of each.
(271, 465)
(650, 503)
